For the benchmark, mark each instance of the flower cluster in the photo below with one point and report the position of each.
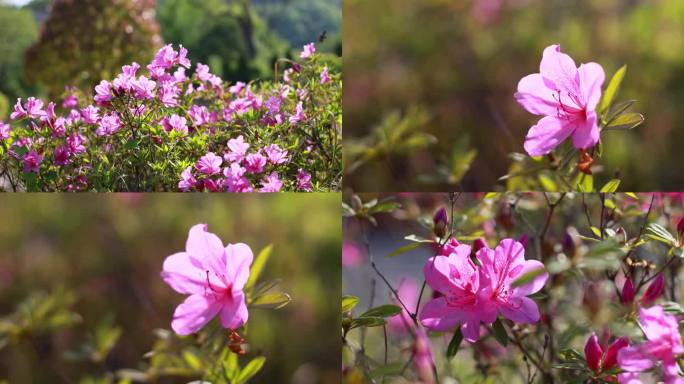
(165, 129)
(471, 294)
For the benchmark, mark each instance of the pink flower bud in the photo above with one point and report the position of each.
(680, 226)
(479, 244)
(628, 292)
(524, 239)
(593, 353)
(610, 360)
(654, 290)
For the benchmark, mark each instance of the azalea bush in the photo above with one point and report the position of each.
(521, 287)
(166, 129)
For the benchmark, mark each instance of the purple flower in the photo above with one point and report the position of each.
(175, 123)
(567, 97)
(62, 155)
(199, 115)
(237, 88)
(271, 183)
(109, 124)
(187, 180)
(304, 181)
(70, 101)
(103, 92)
(144, 88)
(90, 114)
(235, 180)
(209, 164)
(325, 76)
(237, 149)
(165, 58)
(308, 51)
(275, 154)
(273, 104)
(75, 142)
(255, 162)
(32, 161)
(4, 130)
(298, 115)
(34, 109)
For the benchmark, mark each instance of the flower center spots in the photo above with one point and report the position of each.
(566, 111)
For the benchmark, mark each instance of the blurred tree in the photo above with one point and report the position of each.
(228, 35)
(84, 41)
(18, 30)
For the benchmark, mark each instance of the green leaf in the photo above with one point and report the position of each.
(547, 184)
(659, 233)
(192, 360)
(612, 89)
(611, 186)
(500, 332)
(527, 277)
(404, 249)
(387, 310)
(349, 302)
(418, 239)
(491, 195)
(271, 300)
(130, 144)
(455, 343)
(673, 308)
(258, 265)
(31, 181)
(626, 121)
(251, 369)
(367, 322)
(585, 183)
(596, 231)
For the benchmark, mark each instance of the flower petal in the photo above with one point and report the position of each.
(586, 133)
(534, 285)
(546, 135)
(535, 96)
(207, 248)
(591, 80)
(520, 310)
(182, 275)
(559, 70)
(631, 359)
(234, 313)
(437, 315)
(194, 313)
(610, 360)
(438, 269)
(238, 260)
(471, 330)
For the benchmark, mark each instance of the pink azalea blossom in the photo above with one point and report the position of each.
(144, 88)
(567, 97)
(209, 164)
(62, 155)
(165, 58)
(175, 123)
(103, 92)
(187, 180)
(32, 161)
(304, 181)
(90, 114)
(457, 279)
(275, 154)
(34, 109)
(308, 51)
(255, 162)
(70, 101)
(199, 115)
(213, 276)
(4, 130)
(325, 76)
(500, 268)
(237, 148)
(598, 360)
(664, 345)
(352, 255)
(422, 353)
(109, 124)
(299, 115)
(236, 180)
(75, 142)
(271, 183)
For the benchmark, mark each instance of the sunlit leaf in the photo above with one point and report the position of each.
(611, 186)
(659, 233)
(258, 266)
(387, 310)
(271, 300)
(251, 369)
(367, 322)
(612, 89)
(349, 302)
(626, 121)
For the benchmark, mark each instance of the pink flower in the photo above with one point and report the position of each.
(299, 115)
(209, 164)
(449, 247)
(304, 181)
(34, 109)
(199, 115)
(500, 268)
(103, 92)
(408, 293)
(187, 180)
(70, 101)
(32, 161)
(352, 256)
(308, 51)
(235, 180)
(627, 292)
(654, 290)
(275, 154)
(90, 114)
(165, 58)
(597, 360)
(61, 155)
(423, 358)
(4, 130)
(457, 279)
(75, 142)
(255, 162)
(567, 97)
(19, 111)
(237, 149)
(271, 183)
(664, 344)
(175, 123)
(144, 88)
(213, 276)
(109, 125)
(325, 76)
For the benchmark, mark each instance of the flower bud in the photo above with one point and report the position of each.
(593, 353)
(680, 227)
(628, 291)
(654, 290)
(524, 239)
(441, 222)
(610, 359)
(479, 244)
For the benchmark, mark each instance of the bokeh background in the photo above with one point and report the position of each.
(108, 250)
(450, 68)
(46, 45)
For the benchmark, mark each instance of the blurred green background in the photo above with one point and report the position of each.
(460, 61)
(46, 45)
(109, 250)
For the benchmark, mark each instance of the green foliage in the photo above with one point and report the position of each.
(86, 41)
(18, 30)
